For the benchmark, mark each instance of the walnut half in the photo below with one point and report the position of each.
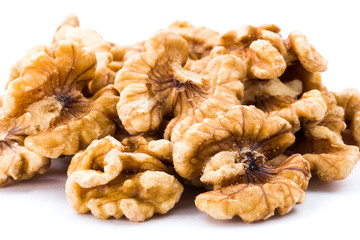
(111, 182)
(232, 154)
(16, 161)
(154, 85)
(50, 89)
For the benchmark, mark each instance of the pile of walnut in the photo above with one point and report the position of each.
(243, 114)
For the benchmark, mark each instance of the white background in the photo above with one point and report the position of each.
(38, 209)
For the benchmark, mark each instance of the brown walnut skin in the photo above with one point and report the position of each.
(110, 182)
(49, 88)
(231, 152)
(154, 85)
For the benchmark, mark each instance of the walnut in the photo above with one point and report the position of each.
(69, 30)
(154, 85)
(322, 146)
(327, 154)
(349, 100)
(263, 51)
(49, 88)
(122, 53)
(271, 95)
(200, 40)
(278, 98)
(232, 153)
(309, 57)
(310, 80)
(16, 161)
(109, 182)
(158, 148)
(197, 66)
(311, 107)
(16, 69)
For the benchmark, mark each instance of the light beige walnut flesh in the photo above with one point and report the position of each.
(121, 53)
(49, 88)
(154, 85)
(330, 159)
(298, 45)
(311, 107)
(263, 51)
(349, 100)
(321, 144)
(277, 98)
(232, 153)
(201, 40)
(16, 69)
(109, 182)
(16, 162)
(158, 148)
(70, 30)
(271, 95)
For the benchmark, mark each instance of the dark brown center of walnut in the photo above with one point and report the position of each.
(10, 138)
(269, 103)
(256, 170)
(65, 100)
(171, 88)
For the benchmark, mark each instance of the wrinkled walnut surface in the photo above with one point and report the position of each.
(271, 95)
(322, 146)
(70, 30)
(311, 107)
(201, 40)
(231, 152)
(349, 100)
(254, 202)
(49, 88)
(121, 53)
(309, 57)
(110, 182)
(262, 50)
(16, 162)
(154, 85)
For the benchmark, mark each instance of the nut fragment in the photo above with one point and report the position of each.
(49, 87)
(311, 107)
(349, 100)
(70, 30)
(261, 49)
(327, 154)
(321, 144)
(271, 95)
(154, 85)
(310, 80)
(16, 161)
(231, 152)
(113, 183)
(16, 69)
(200, 40)
(309, 57)
(122, 53)
(254, 202)
(158, 148)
